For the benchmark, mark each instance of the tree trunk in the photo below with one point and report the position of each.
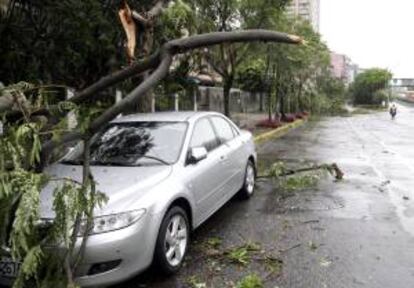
(144, 104)
(261, 101)
(269, 104)
(282, 103)
(226, 95)
(278, 95)
(300, 103)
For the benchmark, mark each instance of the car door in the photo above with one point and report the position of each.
(207, 177)
(235, 159)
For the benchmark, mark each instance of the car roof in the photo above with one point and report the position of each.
(164, 117)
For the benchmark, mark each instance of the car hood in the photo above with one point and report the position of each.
(124, 186)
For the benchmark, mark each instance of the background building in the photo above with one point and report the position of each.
(306, 9)
(343, 68)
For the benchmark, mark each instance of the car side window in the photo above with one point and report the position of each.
(203, 135)
(223, 128)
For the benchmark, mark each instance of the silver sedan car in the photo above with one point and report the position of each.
(164, 174)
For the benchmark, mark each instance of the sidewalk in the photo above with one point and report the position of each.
(248, 121)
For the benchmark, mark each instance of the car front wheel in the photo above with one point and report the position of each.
(172, 241)
(249, 183)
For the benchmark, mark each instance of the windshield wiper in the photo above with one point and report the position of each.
(113, 163)
(156, 159)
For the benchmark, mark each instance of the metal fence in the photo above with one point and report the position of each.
(211, 99)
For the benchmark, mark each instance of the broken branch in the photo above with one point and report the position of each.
(165, 57)
(332, 169)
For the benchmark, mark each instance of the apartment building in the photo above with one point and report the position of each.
(306, 9)
(343, 68)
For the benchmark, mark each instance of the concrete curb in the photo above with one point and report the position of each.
(279, 132)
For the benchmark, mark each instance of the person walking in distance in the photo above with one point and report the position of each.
(393, 111)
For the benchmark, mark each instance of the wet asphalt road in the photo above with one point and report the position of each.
(355, 233)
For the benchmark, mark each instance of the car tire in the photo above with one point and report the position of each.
(172, 241)
(249, 181)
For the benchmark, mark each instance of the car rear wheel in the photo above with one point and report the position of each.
(249, 183)
(172, 241)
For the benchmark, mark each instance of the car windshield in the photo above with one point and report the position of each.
(133, 144)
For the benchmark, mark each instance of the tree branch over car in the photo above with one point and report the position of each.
(157, 65)
(164, 57)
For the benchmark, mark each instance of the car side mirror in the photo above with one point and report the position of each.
(197, 154)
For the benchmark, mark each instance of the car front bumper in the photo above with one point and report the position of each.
(132, 248)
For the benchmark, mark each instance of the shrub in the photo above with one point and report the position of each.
(289, 118)
(301, 115)
(369, 85)
(269, 123)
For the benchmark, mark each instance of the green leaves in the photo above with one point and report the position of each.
(251, 281)
(29, 267)
(26, 188)
(298, 179)
(242, 254)
(369, 85)
(86, 114)
(74, 42)
(277, 169)
(175, 19)
(21, 228)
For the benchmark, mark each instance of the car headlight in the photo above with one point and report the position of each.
(108, 223)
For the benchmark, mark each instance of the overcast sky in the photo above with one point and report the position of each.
(373, 33)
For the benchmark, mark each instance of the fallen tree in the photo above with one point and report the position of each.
(26, 138)
(290, 180)
(279, 170)
(160, 63)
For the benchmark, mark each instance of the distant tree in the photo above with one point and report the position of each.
(231, 15)
(252, 76)
(367, 86)
(295, 71)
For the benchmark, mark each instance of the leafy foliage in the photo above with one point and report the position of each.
(302, 178)
(369, 85)
(251, 76)
(174, 22)
(251, 281)
(22, 228)
(69, 42)
(297, 78)
(242, 254)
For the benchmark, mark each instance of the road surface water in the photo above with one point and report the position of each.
(355, 233)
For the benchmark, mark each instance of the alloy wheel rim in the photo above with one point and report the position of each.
(250, 179)
(176, 240)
